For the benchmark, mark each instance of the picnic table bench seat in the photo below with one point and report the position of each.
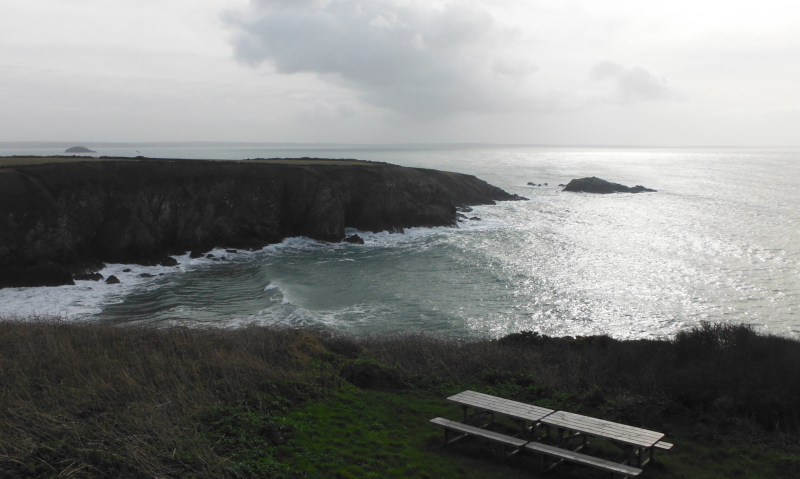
(466, 430)
(663, 445)
(578, 458)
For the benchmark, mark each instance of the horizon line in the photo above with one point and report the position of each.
(275, 144)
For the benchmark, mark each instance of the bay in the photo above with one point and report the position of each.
(717, 242)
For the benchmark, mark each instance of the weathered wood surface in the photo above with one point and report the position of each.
(476, 431)
(583, 459)
(506, 407)
(605, 429)
(663, 445)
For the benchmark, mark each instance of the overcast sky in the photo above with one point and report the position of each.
(635, 72)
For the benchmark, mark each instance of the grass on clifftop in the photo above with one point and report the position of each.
(10, 161)
(90, 400)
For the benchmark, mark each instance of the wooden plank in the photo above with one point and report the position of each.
(663, 445)
(601, 428)
(476, 431)
(506, 407)
(583, 459)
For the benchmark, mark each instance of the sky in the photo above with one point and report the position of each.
(554, 72)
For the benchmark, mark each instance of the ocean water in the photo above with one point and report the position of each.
(719, 241)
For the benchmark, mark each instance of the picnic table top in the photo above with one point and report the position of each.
(601, 428)
(506, 407)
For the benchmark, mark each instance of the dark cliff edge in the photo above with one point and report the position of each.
(60, 219)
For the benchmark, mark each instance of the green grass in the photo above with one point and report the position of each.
(93, 401)
(10, 161)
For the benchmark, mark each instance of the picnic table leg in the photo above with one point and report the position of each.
(446, 436)
(464, 414)
(639, 453)
(630, 455)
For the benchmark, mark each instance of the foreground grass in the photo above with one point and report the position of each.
(87, 400)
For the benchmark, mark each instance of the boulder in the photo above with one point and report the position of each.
(354, 239)
(597, 185)
(195, 254)
(169, 261)
(89, 277)
(112, 280)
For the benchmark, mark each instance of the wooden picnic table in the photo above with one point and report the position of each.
(517, 411)
(633, 439)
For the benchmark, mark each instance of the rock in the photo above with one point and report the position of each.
(231, 251)
(126, 270)
(79, 149)
(354, 239)
(596, 185)
(145, 275)
(464, 209)
(461, 216)
(531, 183)
(169, 261)
(561, 184)
(89, 277)
(209, 255)
(43, 274)
(112, 280)
(475, 218)
(195, 254)
(545, 184)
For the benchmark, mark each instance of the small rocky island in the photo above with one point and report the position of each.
(63, 219)
(597, 185)
(79, 149)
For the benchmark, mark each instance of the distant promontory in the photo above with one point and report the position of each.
(62, 218)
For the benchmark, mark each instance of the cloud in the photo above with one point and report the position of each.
(423, 60)
(633, 84)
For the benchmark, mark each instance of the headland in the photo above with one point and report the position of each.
(62, 216)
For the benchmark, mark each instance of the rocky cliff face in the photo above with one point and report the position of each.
(57, 219)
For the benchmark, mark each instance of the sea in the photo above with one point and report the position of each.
(719, 241)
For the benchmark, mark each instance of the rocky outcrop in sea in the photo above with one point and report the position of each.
(597, 185)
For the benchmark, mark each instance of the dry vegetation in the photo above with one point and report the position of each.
(92, 400)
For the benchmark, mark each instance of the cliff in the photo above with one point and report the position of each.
(59, 219)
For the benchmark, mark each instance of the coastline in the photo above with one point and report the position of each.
(65, 216)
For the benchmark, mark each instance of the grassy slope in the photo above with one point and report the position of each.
(9, 161)
(83, 400)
